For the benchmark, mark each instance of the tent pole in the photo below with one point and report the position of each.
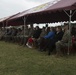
(3, 24)
(6, 23)
(24, 24)
(70, 16)
(24, 19)
(74, 12)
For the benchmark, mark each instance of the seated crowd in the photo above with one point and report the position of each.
(51, 39)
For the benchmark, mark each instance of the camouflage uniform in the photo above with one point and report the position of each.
(31, 32)
(17, 39)
(21, 36)
(24, 35)
(1, 34)
(64, 42)
(43, 33)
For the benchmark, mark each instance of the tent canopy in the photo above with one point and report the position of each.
(4, 20)
(46, 13)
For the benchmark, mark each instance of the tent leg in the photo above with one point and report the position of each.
(70, 16)
(24, 24)
(25, 18)
(6, 23)
(24, 29)
(3, 24)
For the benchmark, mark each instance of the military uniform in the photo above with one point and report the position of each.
(43, 33)
(21, 35)
(31, 32)
(24, 36)
(1, 34)
(64, 42)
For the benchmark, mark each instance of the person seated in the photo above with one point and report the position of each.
(17, 39)
(73, 32)
(74, 41)
(5, 31)
(43, 33)
(21, 35)
(47, 30)
(13, 34)
(31, 30)
(1, 34)
(24, 35)
(30, 42)
(35, 36)
(47, 38)
(64, 41)
(58, 36)
(8, 34)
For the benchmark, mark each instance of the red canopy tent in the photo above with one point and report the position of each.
(56, 11)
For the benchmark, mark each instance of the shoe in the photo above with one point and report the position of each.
(26, 44)
(29, 46)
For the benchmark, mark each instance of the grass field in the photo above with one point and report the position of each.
(18, 60)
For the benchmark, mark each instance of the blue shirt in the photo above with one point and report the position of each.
(50, 35)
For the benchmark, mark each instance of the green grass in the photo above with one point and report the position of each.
(18, 60)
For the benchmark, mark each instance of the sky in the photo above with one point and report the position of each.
(11, 7)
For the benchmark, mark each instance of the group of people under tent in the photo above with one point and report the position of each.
(51, 39)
